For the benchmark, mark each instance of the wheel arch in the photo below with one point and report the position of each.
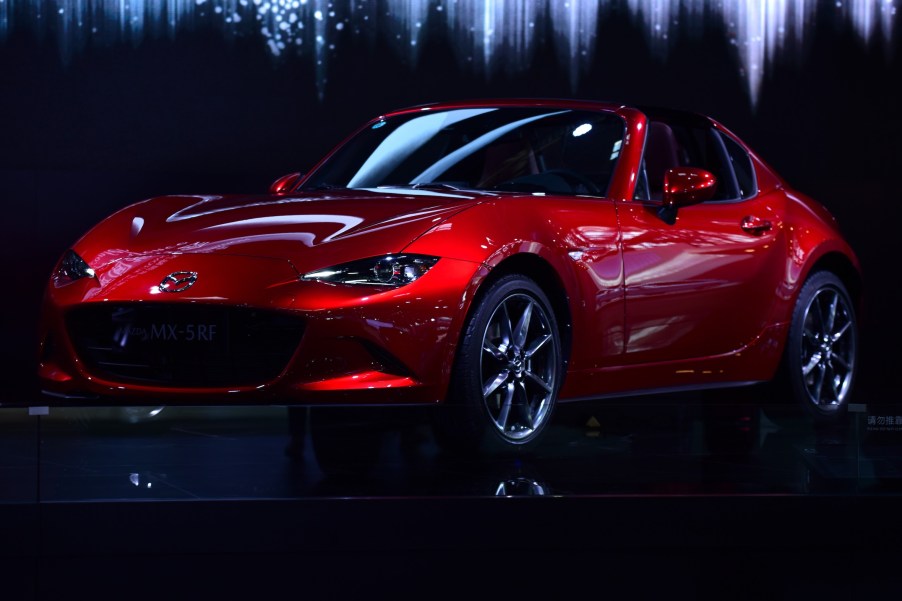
(840, 265)
(544, 274)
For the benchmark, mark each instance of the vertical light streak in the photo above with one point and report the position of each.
(575, 23)
(409, 18)
(487, 35)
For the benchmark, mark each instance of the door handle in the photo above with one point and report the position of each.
(755, 225)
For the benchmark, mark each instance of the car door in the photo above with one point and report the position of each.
(702, 285)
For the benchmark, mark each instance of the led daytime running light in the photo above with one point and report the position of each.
(390, 271)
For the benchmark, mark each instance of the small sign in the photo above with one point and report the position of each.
(884, 423)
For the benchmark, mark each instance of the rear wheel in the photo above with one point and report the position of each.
(822, 348)
(508, 370)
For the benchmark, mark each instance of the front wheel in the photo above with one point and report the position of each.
(822, 348)
(508, 370)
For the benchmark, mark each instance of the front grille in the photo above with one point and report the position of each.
(186, 345)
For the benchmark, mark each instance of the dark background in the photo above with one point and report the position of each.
(201, 114)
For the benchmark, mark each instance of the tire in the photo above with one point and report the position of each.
(821, 357)
(507, 373)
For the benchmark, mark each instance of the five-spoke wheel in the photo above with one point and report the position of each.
(822, 347)
(508, 370)
(519, 366)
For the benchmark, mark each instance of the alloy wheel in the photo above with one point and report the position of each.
(828, 349)
(519, 365)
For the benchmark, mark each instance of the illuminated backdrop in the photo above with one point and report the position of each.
(487, 35)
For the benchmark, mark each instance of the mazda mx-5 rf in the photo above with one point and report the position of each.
(491, 258)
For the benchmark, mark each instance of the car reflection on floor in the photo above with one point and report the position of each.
(677, 445)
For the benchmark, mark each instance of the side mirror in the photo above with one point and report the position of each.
(684, 186)
(285, 184)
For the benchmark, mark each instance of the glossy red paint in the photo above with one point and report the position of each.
(642, 303)
(687, 185)
(285, 184)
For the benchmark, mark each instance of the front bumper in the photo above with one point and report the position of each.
(359, 344)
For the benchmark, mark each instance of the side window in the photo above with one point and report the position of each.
(705, 149)
(675, 144)
(663, 151)
(642, 191)
(742, 166)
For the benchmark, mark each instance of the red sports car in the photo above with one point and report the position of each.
(492, 258)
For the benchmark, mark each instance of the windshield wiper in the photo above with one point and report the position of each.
(436, 186)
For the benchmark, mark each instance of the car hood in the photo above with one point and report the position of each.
(311, 231)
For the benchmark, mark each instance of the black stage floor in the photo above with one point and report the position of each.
(679, 495)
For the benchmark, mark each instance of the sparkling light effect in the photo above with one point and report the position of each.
(487, 35)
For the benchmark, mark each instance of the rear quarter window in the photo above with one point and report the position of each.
(742, 167)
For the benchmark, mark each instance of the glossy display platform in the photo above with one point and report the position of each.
(711, 495)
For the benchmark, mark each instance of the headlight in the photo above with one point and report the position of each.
(71, 268)
(390, 270)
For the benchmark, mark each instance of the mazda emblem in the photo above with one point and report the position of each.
(178, 281)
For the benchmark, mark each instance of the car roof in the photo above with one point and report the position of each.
(652, 112)
(661, 113)
(516, 102)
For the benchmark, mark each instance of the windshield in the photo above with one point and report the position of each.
(549, 150)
